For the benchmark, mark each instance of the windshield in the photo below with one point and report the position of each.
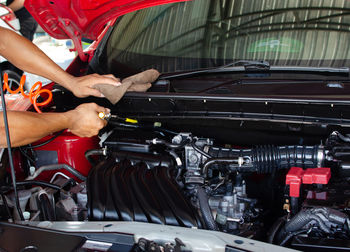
(207, 33)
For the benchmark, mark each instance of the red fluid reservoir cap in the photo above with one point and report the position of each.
(317, 176)
(294, 180)
(297, 176)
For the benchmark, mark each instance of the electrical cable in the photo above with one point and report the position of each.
(26, 155)
(44, 143)
(193, 144)
(34, 92)
(31, 183)
(7, 131)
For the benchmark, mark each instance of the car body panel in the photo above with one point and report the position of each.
(193, 239)
(257, 108)
(79, 19)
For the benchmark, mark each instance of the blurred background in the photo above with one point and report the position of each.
(21, 22)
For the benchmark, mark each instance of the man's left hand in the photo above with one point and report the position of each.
(83, 86)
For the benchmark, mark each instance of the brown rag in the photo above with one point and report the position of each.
(140, 82)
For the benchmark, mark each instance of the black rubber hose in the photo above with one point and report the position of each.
(303, 218)
(268, 159)
(332, 215)
(46, 208)
(89, 153)
(275, 228)
(205, 209)
(299, 221)
(53, 167)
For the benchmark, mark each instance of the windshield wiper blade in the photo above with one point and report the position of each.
(241, 65)
(341, 70)
(255, 66)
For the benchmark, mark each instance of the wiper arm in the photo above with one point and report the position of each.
(254, 66)
(251, 65)
(241, 65)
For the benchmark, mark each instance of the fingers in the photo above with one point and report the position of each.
(94, 92)
(108, 79)
(99, 109)
(105, 79)
(83, 86)
(84, 120)
(112, 77)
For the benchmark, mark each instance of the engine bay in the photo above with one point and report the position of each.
(289, 195)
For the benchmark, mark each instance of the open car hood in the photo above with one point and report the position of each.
(75, 19)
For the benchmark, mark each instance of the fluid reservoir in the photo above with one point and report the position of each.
(65, 149)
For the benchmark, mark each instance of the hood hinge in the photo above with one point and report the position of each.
(74, 35)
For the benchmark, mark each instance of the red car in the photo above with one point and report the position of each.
(242, 143)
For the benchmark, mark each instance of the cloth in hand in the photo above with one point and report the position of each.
(140, 82)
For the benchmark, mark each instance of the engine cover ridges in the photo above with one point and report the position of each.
(125, 192)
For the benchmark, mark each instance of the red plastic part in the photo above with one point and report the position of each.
(294, 180)
(317, 176)
(297, 176)
(70, 150)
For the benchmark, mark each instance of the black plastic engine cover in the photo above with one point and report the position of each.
(121, 191)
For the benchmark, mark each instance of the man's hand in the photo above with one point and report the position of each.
(83, 121)
(27, 127)
(140, 82)
(83, 86)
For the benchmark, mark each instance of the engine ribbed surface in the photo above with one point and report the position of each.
(125, 192)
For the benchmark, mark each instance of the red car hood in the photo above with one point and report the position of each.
(74, 19)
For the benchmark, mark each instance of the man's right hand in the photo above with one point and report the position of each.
(83, 121)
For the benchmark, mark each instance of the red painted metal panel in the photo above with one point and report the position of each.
(82, 18)
(70, 150)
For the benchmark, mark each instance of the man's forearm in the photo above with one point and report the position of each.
(16, 5)
(28, 57)
(27, 127)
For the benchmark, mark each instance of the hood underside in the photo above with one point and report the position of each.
(77, 19)
(85, 18)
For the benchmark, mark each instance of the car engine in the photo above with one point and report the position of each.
(290, 195)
